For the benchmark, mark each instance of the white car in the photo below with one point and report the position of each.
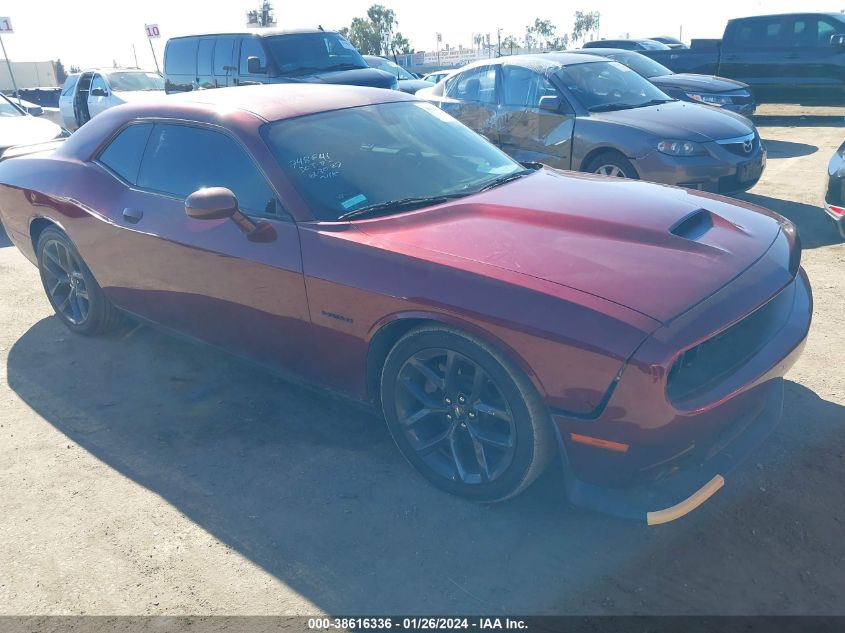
(88, 93)
(19, 128)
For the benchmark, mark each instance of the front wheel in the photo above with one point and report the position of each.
(71, 288)
(611, 164)
(463, 415)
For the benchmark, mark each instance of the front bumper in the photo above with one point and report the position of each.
(674, 455)
(720, 171)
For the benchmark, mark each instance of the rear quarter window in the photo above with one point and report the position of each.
(180, 57)
(123, 155)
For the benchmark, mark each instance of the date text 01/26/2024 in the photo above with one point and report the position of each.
(417, 624)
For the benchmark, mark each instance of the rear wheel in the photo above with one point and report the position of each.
(71, 288)
(463, 415)
(611, 164)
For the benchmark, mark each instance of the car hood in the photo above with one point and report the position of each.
(681, 120)
(412, 85)
(704, 83)
(357, 77)
(611, 238)
(24, 130)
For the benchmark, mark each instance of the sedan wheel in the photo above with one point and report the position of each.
(611, 170)
(454, 416)
(64, 282)
(464, 415)
(71, 288)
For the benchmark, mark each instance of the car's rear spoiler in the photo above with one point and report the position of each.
(34, 148)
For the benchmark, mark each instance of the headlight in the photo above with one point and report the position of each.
(681, 148)
(710, 99)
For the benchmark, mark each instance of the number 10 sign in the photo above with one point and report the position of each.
(152, 30)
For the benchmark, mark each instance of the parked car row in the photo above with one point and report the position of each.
(587, 113)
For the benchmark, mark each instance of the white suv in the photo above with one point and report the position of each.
(88, 93)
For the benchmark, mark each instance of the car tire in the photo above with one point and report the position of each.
(487, 435)
(77, 299)
(612, 164)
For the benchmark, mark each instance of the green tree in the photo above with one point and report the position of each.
(586, 23)
(510, 42)
(544, 34)
(376, 34)
(61, 73)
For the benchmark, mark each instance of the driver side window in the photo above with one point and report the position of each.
(524, 87)
(100, 83)
(476, 84)
(180, 159)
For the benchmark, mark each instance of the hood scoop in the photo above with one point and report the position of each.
(699, 223)
(693, 226)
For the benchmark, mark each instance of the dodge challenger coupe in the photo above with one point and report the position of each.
(499, 315)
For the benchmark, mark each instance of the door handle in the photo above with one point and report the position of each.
(132, 216)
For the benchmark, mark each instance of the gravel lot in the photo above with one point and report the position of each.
(143, 475)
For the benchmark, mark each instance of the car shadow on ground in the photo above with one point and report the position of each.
(312, 490)
(787, 149)
(814, 226)
(4, 239)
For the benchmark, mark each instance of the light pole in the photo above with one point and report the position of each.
(439, 39)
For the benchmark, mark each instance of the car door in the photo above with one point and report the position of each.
(527, 132)
(251, 46)
(205, 67)
(66, 102)
(205, 278)
(225, 71)
(471, 98)
(813, 67)
(99, 95)
(754, 52)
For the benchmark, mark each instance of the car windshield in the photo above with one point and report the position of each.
(389, 67)
(337, 160)
(7, 109)
(652, 45)
(300, 53)
(130, 81)
(646, 66)
(607, 86)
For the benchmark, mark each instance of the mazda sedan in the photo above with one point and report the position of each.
(587, 113)
(499, 317)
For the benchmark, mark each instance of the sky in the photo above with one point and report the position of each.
(89, 33)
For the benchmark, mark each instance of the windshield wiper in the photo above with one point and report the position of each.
(402, 204)
(608, 107)
(654, 102)
(501, 180)
(346, 66)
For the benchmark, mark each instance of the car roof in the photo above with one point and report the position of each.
(539, 61)
(260, 32)
(603, 51)
(831, 14)
(284, 101)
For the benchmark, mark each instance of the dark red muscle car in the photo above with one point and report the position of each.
(500, 315)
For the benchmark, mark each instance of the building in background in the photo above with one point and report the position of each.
(27, 75)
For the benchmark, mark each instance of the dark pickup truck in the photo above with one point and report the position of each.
(795, 57)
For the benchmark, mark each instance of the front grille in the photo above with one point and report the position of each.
(738, 146)
(704, 366)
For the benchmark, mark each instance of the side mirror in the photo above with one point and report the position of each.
(212, 203)
(99, 92)
(254, 67)
(838, 41)
(550, 103)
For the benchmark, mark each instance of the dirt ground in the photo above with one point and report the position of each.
(143, 475)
